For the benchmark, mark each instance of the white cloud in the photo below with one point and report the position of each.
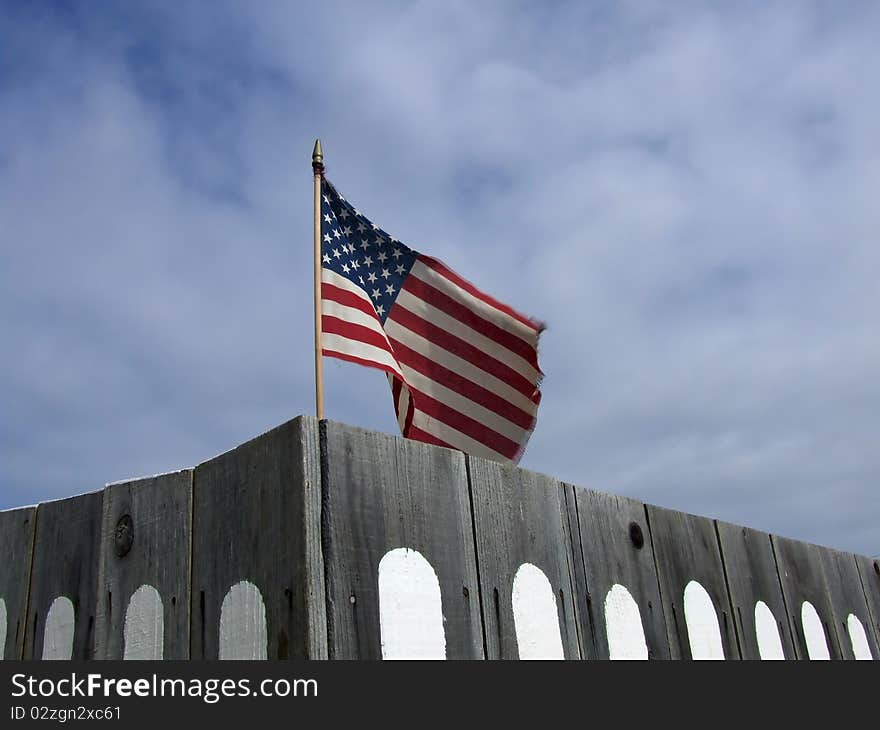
(685, 195)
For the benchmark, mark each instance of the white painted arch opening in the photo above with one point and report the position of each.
(535, 615)
(59, 629)
(704, 633)
(767, 633)
(858, 638)
(814, 633)
(144, 627)
(410, 607)
(623, 625)
(243, 633)
(3, 622)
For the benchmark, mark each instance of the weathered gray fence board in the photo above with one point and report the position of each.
(520, 518)
(65, 563)
(145, 539)
(803, 579)
(16, 549)
(847, 597)
(382, 493)
(751, 577)
(255, 518)
(587, 630)
(686, 549)
(869, 572)
(615, 548)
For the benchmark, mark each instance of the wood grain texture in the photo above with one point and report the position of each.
(847, 597)
(803, 579)
(65, 563)
(160, 509)
(606, 555)
(520, 517)
(256, 516)
(685, 549)
(381, 493)
(751, 577)
(16, 547)
(869, 572)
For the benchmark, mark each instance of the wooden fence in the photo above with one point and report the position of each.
(327, 541)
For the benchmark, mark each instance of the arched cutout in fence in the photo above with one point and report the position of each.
(410, 607)
(243, 632)
(858, 638)
(767, 633)
(535, 615)
(58, 632)
(623, 625)
(814, 633)
(144, 629)
(3, 621)
(704, 634)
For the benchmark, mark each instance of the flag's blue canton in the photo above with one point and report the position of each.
(362, 252)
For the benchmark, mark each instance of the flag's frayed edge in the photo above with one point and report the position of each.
(521, 450)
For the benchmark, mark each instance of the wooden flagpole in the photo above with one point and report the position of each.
(318, 169)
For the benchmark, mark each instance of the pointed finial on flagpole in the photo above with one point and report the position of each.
(318, 158)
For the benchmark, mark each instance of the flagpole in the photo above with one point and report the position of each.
(318, 169)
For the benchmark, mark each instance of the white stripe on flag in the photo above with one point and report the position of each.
(464, 405)
(403, 406)
(453, 326)
(331, 277)
(354, 316)
(484, 309)
(437, 354)
(337, 343)
(453, 437)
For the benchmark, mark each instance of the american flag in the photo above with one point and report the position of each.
(463, 367)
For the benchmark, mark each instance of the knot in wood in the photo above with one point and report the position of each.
(636, 536)
(123, 535)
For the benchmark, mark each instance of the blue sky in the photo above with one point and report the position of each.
(685, 192)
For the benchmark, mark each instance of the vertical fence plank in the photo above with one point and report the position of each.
(615, 549)
(65, 565)
(16, 547)
(803, 579)
(587, 631)
(686, 549)
(752, 576)
(145, 540)
(253, 536)
(847, 597)
(520, 518)
(869, 572)
(383, 493)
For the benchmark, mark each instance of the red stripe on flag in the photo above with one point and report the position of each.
(357, 332)
(459, 311)
(461, 385)
(349, 299)
(446, 272)
(397, 391)
(462, 349)
(410, 412)
(396, 388)
(467, 425)
(414, 432)
(357, 360)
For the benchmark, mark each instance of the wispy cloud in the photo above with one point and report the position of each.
(685, 193)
